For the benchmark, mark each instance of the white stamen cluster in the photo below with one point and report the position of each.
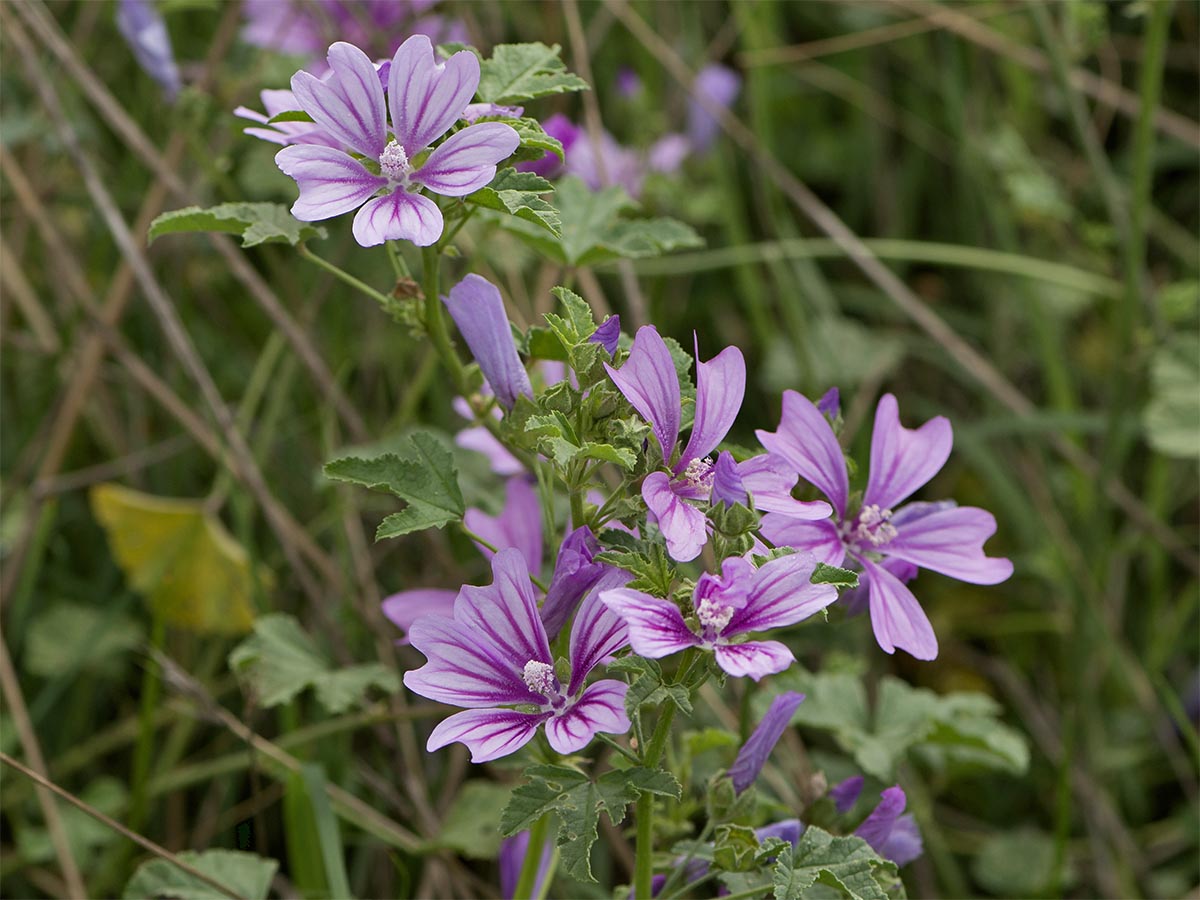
(698, 473)
(874, 527)
(713, 616)
(540, 678)
(393, 163)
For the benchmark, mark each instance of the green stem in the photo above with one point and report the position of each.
(632, 757)
(644, 862)
(344, 276)
(679, 871)
(533, 859)
(435, 318)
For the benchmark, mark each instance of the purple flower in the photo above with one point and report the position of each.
(719, 84)
(426, 98)
(477, 308)
(146, 34)
(668, 153)
(575, 573)
(285, 133)
(513, 851)
(628, 83)
(405, 607)
(890, 834)
(939, 536)
(728, 486)
(740, 600)
(476, 111)
(753, 755)
(608, 334)
(622, 165)
(519, 525)
(493, 658)
(830, 404)
(844, 794)
(566, 133)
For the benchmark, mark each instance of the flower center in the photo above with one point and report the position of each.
(540, 678)
(394, 165)
(714, 617)
(699, 473)
(874, 526)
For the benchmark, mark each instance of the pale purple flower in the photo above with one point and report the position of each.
(668, 153)
(405, 607)
(727, 484)
(477, 308)
(753, 755)
(285, 133)
(615, 165)
(608, 334)
(890, 834)
(740, 600)
(719, 84)
(830, 404)
(493, 658)
(939, 536)
(513, 851)
(649, 382)
(845, 793)
(628, 83)
(146, 33)
(575, 573)
(426, 98)
(475, 111)
(518, 526)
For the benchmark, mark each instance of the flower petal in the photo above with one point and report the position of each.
(466, 161)
(512, 859)
(727, 486)
(600, 708)
(489, 733)
(483, 441)
(845, 793)
(477, 308)
(756, 659)
(770, 481)
(519, 524)
(682, 525)
(781, 595)
(465, 668)
(427, 97)
(506, 610)
(903, 459)
(330, 182)
(890, 834)
(720, 388)
(575, 574)
(805, 440)
(598, 632)
(398, 216)
(406, 607)
(649, 382)
(896, 617)
(753, 755)
(608, 334)
(348, 104)
(820, 538)
(656, 627)
(949, 541)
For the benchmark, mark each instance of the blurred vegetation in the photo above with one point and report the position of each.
(1028, 171)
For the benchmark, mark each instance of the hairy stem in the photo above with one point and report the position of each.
(435, 318)
(644, 865)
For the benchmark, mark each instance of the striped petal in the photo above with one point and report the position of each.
(489, 733)
(330, 182)
(427, 97)
(398, 216)
(466, 161)
(349, 103)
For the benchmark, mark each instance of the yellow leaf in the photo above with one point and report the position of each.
(188, 567)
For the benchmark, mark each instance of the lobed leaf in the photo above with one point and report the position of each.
(519, 72)
(256, 223)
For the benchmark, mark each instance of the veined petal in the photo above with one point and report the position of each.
(489, 733)
(949, 541)
(406, 607)
(477, 308)
(575, 573)
(896, 617)
(892, 835)
(782, 595)
(649, 382)
(349, 103)
(903, 459)
(506, 610)
(398, 216)
(600, 708)
(519, 524)
(682, 525)
(753, 755)
(598, 632)
(727, 486)
(608, 334)
(756, 659)
(466, 668)
(805, 440)
(820, 538)
(466, 161)
(770, 481)
(720, 387)
(330, 181)
(427, 97)
(904, 844)
(656, 627)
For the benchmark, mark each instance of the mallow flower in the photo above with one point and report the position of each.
(891, 834)
(754, 753)
(648, 380)
(725, 608)
(284, 133)
(477, 308)
(885, 539)
(146, 34)
(493, 658)
(388, 167)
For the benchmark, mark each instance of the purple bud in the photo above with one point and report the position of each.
(566, 133)
(844, 794)
(511, 860)
(575, 574)
(753, 755)
(146, 33)
(890, 834)
(478, 311)
(608, 335)
(727, 484)
(830, 404)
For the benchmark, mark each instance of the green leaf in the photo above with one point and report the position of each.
(608, 453)
(472, 825)
(1016, 863)
(245, 874)
(290, 115)
(735, 848)
(846, 863)
(256, 223)
(71, 635)
(842, 578)
(1172, 418)
(279, 661)
(649, 565)
(520, 72)
(517, 193)
(84, 834)
(424, 476)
